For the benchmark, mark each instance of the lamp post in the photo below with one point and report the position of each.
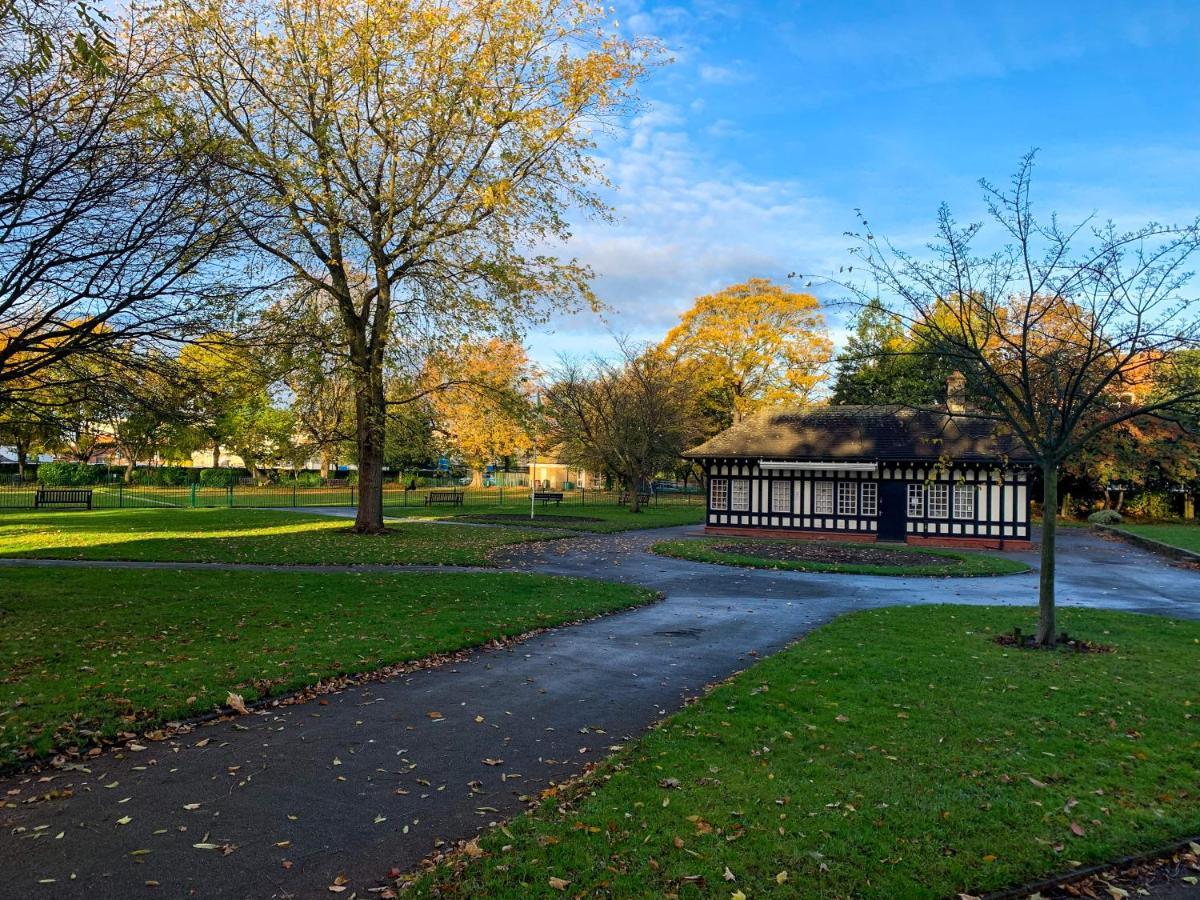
(533, 465)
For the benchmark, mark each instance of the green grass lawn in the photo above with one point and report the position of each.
(604, 519)
(951, 562)
(893, 753)
(1177, 534)
(103, 650)
(243, 536)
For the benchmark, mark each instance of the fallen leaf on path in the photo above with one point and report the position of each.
(236, 703)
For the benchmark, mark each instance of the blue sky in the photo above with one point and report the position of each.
(776, 120)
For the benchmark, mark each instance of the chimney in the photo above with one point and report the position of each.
(956, 394)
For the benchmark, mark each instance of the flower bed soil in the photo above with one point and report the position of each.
(816, 551)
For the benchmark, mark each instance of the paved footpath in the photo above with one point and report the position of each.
(369, 779)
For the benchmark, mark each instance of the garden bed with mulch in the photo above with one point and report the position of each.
(827, 552)
(837, 557)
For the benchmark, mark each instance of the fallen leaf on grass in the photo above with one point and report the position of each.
(472, 848)
(236, 703)
(558, 883)
(1076, 829)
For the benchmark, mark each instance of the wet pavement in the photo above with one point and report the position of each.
(283, 803)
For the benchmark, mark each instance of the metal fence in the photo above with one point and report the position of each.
(519, 497)
(193, 496)
(395, 496)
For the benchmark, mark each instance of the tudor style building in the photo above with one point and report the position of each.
(869, 473)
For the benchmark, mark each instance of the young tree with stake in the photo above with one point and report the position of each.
(1058, 342)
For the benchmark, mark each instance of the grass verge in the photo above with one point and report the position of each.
(1184, 535)
(244, 536)
(89, 653)
(893, 753)
(575, 517)
(951, 562)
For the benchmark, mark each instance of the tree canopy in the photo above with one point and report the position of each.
(753, 344)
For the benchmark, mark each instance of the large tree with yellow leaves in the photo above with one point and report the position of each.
(409, 159)
(754, 344)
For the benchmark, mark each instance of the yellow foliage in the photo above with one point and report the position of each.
(756, 344)
(481, 399)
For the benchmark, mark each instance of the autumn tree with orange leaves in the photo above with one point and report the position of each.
(1063, 334)
(753, 344)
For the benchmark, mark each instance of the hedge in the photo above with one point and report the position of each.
(218, 477)
(71, 474)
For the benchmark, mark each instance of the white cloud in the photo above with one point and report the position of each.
(688, 224)
(722, 74)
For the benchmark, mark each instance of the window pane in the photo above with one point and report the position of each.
(964, 501)
(939, 501)
(847, 498)
(823, 498)
(781, 496)
(916, 501)
(719, 489)
(740, 496)
(870, 498)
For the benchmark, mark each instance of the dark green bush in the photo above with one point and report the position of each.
(308, 479)
(1105, 517)
(218, 477)
(163, 476)
(71, 474)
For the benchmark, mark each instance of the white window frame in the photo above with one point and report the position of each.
(823, 498)
(916, 492)
(964, 497)
(739, 495)
(718, 493)
(847, 499)
(781, 496)
(938, 500)
(869, 505)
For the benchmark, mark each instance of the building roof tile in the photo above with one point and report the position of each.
(864, 433)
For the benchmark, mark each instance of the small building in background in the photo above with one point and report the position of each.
(946, 477)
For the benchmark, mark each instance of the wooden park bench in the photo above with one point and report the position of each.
(643, 498)
(545, 497)
(453, 498)
(63, 497)
(337, 482)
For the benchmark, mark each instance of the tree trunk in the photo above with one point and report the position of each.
(1120, 500)
(22, 451)
(326, 462)
(371, 414)
(129, 467)
(216, 455)
(635, 499)
(1045, 634)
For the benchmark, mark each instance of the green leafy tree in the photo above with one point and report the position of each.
(881, 364)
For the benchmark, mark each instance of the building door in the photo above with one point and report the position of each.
(893, 516)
